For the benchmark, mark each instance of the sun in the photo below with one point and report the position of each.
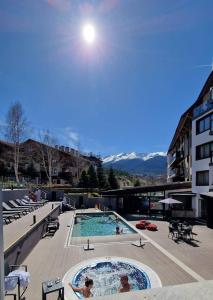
(88, 33)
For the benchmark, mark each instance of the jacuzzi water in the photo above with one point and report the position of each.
(99, 224)
(106, 276)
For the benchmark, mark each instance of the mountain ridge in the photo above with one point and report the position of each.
(153, 163)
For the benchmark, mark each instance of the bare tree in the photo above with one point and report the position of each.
(48, 153)
(78, 160)
(15, 132)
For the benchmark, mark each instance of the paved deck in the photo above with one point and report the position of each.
(53, 259)
(195, 291)
(174, 263)
(196, 255)
(16, 229)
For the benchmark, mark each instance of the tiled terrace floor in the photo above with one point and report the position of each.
(197, 255)
(52, 258)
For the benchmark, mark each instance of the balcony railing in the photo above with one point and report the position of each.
(204, 107)
(177, 157)
(172, 173)
(176, 177)
(211, 126)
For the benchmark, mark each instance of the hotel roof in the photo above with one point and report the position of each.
(149, 188)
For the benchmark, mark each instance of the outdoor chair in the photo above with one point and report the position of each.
(152, 227)
(25, 202)
(188, 233)
(6, 219)
(29, 200)
(173, 232)
(27, 205)
(11, 215)
(19, 206)
(16, 277)
(52, 225)
(7, 208)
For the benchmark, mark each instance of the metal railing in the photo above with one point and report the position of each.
(204, 107)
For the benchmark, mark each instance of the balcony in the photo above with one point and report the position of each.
(179, 177)
(176, 175)
(204, 107)
(211, 127)
(176, 159)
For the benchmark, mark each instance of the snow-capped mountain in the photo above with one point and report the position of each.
(138, 163)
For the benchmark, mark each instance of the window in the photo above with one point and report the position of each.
(204, 151)
(202, 178)
(185, 205)
(204, 124)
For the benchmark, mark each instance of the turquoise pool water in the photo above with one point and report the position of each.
(98, 224)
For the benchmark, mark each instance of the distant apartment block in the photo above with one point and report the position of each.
(67, 163)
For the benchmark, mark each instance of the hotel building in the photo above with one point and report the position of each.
(190, 154)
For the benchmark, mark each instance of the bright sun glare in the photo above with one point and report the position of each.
(88, 33)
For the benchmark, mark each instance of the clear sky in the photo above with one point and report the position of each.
(127, 90)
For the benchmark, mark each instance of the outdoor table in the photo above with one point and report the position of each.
(52, 286)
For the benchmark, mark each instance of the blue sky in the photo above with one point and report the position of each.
(124, 93)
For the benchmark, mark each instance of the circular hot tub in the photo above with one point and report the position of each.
(106, 272)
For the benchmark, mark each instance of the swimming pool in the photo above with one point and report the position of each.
(98, 224)
(106, 272)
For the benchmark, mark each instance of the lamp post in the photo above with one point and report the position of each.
(1, 251)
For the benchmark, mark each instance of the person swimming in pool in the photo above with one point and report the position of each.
(118, 230)
(125, 286)
(86, 289)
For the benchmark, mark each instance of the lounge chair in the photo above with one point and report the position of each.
(8, 217)
(13, 204)
(43, 202)
(16, 277)
(20, 203)
(27, 203)
(7, 208)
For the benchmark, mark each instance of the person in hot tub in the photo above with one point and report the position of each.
(86, 289)
(125, 286)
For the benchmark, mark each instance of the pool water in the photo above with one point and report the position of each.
(99, 224)
(106, 277)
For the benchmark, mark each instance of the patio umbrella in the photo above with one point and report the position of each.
(170, 201)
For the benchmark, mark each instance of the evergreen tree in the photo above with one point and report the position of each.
(101, 177)
(137, 183)
(112, 180)
(92, 176)
(84, 180)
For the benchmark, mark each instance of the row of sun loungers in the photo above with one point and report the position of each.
(15, 209)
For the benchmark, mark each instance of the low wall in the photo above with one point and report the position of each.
(13, 194)
(91, 202)
(101, 202)
(19, 250)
